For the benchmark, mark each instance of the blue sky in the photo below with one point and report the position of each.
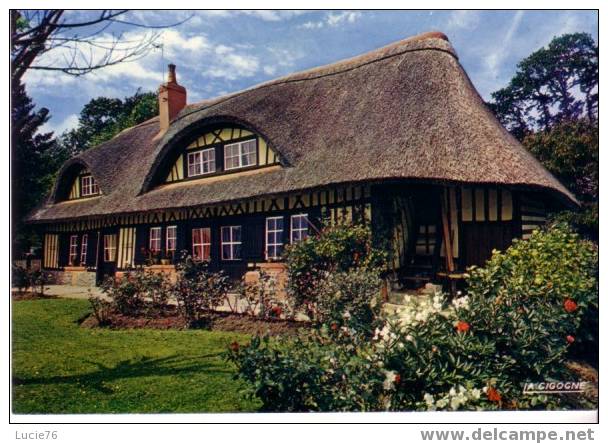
(217, 52)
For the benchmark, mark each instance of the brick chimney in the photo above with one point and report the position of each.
(171, 99)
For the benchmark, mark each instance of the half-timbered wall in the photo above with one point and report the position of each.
(217, 139)
(533, 214)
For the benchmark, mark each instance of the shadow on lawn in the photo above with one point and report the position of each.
(142, 367)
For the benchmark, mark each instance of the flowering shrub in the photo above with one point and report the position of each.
(260, 298)
(335, 249)
(473, 353)
(350, 299)
(553, 274)
(137, 293)
(197, 290)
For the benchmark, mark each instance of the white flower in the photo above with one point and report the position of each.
(429, 400)
(455, 403)
(346, 315)
(452, 391)
(442, 403)
(389, 380)
(476, 394)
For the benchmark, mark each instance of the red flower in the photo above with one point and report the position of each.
(276, 311)
(570, 339)
(493, 395)
(570, 305)
(234, 346)
(462, 326)
(334, 326)
(397, 379)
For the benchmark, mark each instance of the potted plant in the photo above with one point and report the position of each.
(167, 259)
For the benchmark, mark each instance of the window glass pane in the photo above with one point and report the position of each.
(236, 233)
(226, 234)
(236, 251)
(206, 237)
(196, 236)
(248, 153)
(226, 252)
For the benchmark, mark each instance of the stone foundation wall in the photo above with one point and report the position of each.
(73, 277)
(168, 270)
(276, 270)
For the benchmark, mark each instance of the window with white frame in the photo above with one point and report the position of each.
(201, 243)
(109, 247)
(201, 162)
(240, 155)
(84, 244)
(231, 242)
(299, 227)
(73, 250)
(88, 186)
(171, 240)
(155, 239)
(274, 237)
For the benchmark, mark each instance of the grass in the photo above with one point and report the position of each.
(59, 367)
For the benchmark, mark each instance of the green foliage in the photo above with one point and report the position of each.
(308, 373)
(138, 293)
(102, 118)
(553, 84)
(335, 249)
(20, 278)
(522, 314)
(198, 291)
(24, 279)
(34, 160)
(350, 299)
(570, 150)
(260, 298)
(540, 274)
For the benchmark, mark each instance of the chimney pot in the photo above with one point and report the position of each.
(171, 100)
(172, 77)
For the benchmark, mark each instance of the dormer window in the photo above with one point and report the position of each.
(201, 162)
(240, 155)
(88, 186)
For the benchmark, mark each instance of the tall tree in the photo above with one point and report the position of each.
(553, 84)
(102, 118)
(35, 158)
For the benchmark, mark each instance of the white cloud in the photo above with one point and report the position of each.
(500, 52)
(333, 19)
(463, 19)
(71, 121)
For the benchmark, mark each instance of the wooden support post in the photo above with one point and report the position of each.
(447, 237)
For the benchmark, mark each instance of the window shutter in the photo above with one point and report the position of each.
(64, 249)
(141, 243)
(253, 238)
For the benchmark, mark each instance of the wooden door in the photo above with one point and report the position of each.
(108, 251)
(479, 239)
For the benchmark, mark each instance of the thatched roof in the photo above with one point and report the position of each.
(404, 111)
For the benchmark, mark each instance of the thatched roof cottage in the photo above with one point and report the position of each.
(399, 135)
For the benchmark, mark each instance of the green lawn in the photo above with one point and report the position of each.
(59, 367)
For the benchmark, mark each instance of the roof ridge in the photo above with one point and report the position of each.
(289, 78)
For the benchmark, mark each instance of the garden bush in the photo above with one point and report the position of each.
(554, 269)
(138, 293)
(350, 299)
(337, 248)
(260, 298)
(198, 291)
(34, 279)
(516, 325)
